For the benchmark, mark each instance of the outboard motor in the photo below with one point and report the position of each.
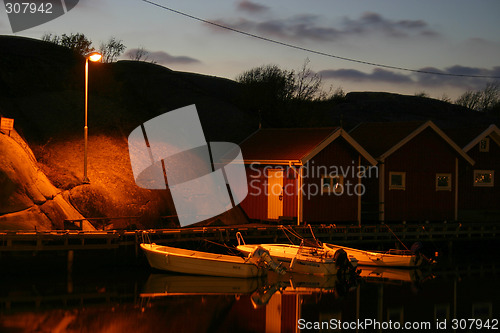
(262, 255)
(341, 259)
(416, 247)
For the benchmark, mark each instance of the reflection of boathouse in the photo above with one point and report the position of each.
(382, 301)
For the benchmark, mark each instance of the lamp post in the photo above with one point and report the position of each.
(94, 56)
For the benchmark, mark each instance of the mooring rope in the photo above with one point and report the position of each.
(231, 249)
(396, 237)
(292, 232)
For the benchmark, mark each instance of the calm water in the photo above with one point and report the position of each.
(124, 300)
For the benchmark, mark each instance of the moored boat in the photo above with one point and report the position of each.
(392, 258)
(204, 263)
(298, 258)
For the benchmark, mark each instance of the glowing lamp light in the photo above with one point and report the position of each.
(94, 56)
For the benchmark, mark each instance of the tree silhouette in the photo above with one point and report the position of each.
(111, 49)
(78, 42)
(481, 100)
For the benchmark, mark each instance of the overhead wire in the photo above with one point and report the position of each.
(297, 47)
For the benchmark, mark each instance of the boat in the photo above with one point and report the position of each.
(389, 274)
(298, 258)
(301, 284)
(161, 284)
(391, 258)
(185, 261)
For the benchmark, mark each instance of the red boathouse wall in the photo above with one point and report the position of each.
(421, 159)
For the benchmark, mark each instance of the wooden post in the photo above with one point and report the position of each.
(299, 196)
(456, 190)
(380, 303)
(359, 195)
(70, 260)
(381, 192)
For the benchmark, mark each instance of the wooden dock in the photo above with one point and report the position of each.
(369, 235)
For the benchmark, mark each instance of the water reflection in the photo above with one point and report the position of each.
(135, 300)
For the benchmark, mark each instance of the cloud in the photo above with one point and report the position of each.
(380, 75)
(371, 22)
(377, 75)
(470, 83)
(316, 27)
(251, 7)
(160, 57)
(294, 28)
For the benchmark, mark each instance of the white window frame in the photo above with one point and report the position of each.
(443, 188)
(403, 180)
(330, 179)
(486, 147)
(477, 172)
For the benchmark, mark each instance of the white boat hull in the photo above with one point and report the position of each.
(173, 285)
(199, 263)
(307, 261)
(370, 258)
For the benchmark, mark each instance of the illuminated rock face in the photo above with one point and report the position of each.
(22, 184)
(27, 198)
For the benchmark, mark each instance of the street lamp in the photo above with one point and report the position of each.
(94, 56)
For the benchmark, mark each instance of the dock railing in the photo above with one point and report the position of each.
(100, 221)
(369, 235)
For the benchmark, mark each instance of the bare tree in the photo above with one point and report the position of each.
(481, 100)
(139, 54)
(490, 95)
(445, 98)
(111, 50)
(469, 99)
(307, 84)
(422, 94)
(335, 95)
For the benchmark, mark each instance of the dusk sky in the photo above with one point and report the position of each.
(450, 36)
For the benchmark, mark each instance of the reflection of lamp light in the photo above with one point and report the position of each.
(94, 56)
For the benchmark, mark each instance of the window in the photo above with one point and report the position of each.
(397, 180)
(443, 182)
(484, 145)
(482, 310)
(484, 178)
(332, 184)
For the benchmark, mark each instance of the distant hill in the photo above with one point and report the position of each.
(42, 88)
(380, 106)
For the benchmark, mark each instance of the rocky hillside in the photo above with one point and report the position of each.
(28, 200)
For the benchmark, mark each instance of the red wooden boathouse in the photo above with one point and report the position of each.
(418, 167)
(308, 174)
(479, 195)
